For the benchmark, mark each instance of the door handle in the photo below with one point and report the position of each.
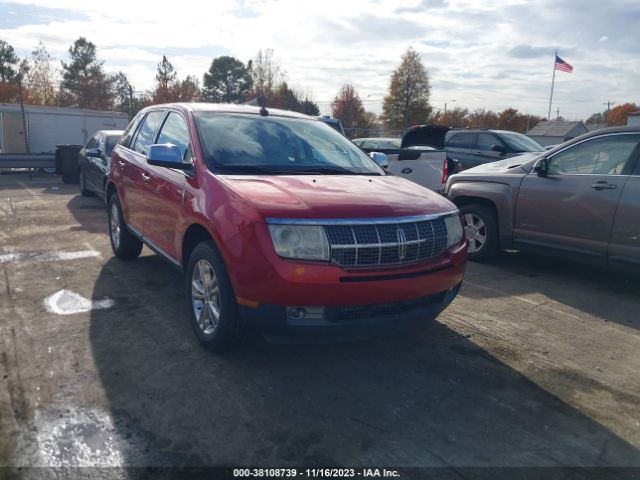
(121, 163)
(406, 170)
(603, 185)
(146, 177)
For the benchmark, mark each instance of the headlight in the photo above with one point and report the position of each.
(307, 242)
(454, 229)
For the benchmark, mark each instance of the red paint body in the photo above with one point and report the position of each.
(233, 209)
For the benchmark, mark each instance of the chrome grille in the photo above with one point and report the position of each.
(386, 244)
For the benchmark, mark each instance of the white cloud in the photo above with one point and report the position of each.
(490, 54)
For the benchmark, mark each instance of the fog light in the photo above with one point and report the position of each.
(296, 313)
(305, 313)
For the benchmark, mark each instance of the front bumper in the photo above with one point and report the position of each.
(349, 321)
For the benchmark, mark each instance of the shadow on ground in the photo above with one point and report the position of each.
(585, 288)
(429, 398)
(90, 212)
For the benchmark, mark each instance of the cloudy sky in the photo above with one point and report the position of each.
(478, 53)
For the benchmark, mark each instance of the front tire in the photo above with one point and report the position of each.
(211, 302)
(124, 245)
(481, 229)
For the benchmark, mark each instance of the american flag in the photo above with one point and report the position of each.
(562, 65)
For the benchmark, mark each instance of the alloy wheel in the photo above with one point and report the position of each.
(475, 231)
(114, 226)
(205, 297)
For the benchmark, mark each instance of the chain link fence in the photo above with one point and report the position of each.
(371, 132)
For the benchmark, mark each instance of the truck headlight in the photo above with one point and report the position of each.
(454, 229)
(307, 242)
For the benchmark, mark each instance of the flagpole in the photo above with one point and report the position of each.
(553, 81)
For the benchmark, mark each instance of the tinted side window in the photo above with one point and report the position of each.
(128, 133)
(147, 131)
(462, 140)
(175, 131)
(608, 155)
(94, 142)
(486, 140)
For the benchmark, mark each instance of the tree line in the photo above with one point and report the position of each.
(82, 82)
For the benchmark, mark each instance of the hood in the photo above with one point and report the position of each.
(519, 164)
(336, 196)
(425, 136)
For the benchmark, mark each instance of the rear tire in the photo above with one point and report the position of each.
(83, 184)
(211, 302)
(481, 229)
(123, 243)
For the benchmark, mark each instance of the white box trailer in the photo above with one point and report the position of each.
(51, 126)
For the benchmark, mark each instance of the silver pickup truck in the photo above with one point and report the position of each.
(579, 201)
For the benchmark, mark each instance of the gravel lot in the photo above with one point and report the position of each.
(535, 364)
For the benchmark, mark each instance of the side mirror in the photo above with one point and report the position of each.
(380, 159)
(93, 152)
(542, 167)
(498, 148)
(168, 156)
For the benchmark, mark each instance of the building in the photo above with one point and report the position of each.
(633, 119)
(556, 131)
(51, 126)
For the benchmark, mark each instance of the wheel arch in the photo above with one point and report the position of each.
(193, 235)
(497, 197)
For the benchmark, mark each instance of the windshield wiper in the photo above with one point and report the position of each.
(335, 170)
(234, 169)
(329, 171)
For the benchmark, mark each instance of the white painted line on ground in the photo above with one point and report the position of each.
(47, 256)
(66, 302)
(503, 293)
(33, 193)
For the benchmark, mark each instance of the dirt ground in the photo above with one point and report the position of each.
(535, 364)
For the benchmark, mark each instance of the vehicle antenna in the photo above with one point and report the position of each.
(262, 101)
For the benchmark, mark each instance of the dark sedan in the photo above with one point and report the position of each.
(94, 161)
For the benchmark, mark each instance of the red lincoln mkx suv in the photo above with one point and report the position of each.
(280, 224)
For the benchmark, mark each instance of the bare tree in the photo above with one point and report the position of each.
(41, 76)
(266, 73)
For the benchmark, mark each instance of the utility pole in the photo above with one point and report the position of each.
(24, 116)
(445, 110)
(609, 104)
(130, 102)
(557, 113)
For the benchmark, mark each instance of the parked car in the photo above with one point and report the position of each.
(94, 162)
(473, 147)
(580, 200)
(334, 123)
(280, 224)
(382, 145)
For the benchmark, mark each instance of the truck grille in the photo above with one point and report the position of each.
(386, 244)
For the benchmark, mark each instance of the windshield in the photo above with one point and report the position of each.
(521, 143)
(237, 144)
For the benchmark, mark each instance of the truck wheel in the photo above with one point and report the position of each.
(124, 244)
(481, 229)
(83, 185)
(211, 302)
